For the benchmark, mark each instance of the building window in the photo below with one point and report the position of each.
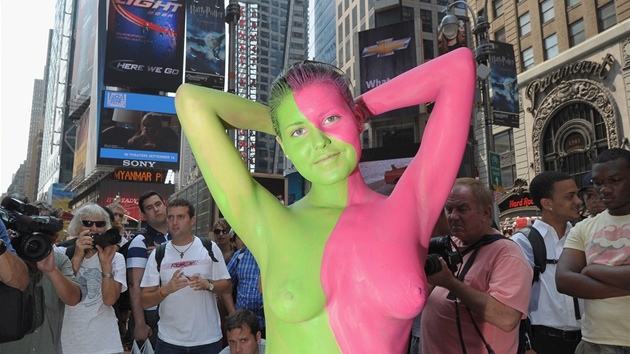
(576, 33)
(427, 23)
(504, 146)
(571, 3)
(528, 58)
(499, 35)
(551, 46)
(524, 24)
(497, 6)
(429, 52)
(546, 11)
(606, 16)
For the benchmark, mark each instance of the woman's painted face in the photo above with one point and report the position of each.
(319, 133)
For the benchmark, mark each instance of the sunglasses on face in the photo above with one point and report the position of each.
(89, 223)
(217, 231)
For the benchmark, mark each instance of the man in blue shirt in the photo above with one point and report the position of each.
(245, 275)
(143, 323)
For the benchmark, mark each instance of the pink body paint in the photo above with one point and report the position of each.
(372, 269)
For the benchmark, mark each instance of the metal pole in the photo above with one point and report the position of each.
(483, 50)
(232, 15)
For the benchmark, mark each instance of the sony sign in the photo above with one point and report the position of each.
(137, 163)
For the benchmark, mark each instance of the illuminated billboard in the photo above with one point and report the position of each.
(205, 43)
(145, 45)
(139, 131)
(387, 52)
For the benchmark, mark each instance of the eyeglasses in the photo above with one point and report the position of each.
(218, 231)
(89, 223)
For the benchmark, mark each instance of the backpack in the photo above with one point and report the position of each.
(539, 249)
(161, 249)
(19, 314)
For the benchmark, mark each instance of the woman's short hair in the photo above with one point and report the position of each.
(91, 209)
(242, 317)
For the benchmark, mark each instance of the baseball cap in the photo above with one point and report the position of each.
(586, 182)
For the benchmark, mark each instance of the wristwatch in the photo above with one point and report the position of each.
(210, 286)
(3, 248)
(108, 275)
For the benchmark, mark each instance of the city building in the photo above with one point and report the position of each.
(573, 63)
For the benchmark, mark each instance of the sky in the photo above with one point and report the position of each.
(23, 45)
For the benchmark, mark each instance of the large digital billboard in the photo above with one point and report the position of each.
(387, 52)
(83, 62)
(205, 43)
(145, 44)
(137, 130)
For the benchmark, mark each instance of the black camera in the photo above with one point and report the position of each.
(33, 240)
(444, 247)
(107, 238)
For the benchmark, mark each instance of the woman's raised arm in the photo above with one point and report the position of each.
(205, 114)
(449, 81)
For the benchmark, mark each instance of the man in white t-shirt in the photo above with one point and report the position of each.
(594, 264)
(185, 287)
(243, 333)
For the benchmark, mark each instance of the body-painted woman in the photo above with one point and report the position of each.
(342, 268)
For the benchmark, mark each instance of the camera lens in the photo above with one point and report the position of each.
(432, 265)
(35, 247)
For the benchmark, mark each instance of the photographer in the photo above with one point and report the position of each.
(13, 271)
(55, 286)
(480, 307)
(100, 270)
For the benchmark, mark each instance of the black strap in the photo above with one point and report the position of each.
(474, 248)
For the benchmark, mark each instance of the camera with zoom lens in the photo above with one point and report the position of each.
(107, 238)
(34, 232)
(445, 248)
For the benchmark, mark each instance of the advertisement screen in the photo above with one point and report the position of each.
(386, 52)
(145, 44)
(140, 131)
(83, 63)
(205, 43)
(504, 85)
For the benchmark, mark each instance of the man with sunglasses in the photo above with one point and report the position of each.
(143, 323)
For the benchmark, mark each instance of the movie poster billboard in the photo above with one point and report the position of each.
(386, 52)
(145, 45)
(504, 85)
(205, 43)
(58, 197)
(83, 58)
(81, 146)
(139, 131)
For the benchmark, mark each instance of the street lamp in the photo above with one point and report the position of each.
(483, 50)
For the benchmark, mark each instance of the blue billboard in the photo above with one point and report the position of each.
(138, 130)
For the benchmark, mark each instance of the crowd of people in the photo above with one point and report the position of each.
(344, 269)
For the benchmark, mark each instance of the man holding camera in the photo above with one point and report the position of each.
(481, 306)
(55, 287)
(13, 271)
